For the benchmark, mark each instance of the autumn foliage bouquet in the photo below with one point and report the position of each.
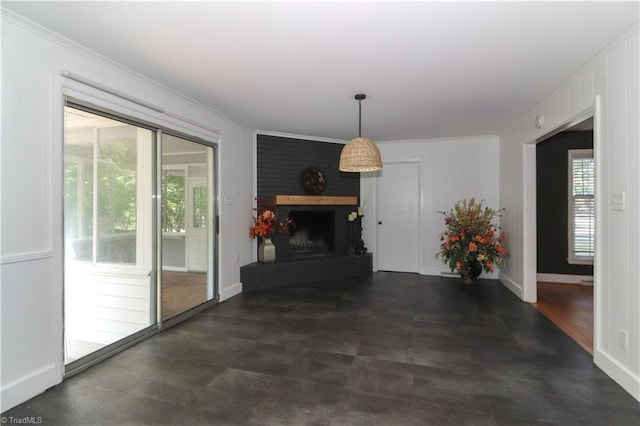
(266, 222)
(471, 238)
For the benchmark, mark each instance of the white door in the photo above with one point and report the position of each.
(197, 224)
(398, 204)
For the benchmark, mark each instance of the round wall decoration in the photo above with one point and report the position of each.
(313, 180)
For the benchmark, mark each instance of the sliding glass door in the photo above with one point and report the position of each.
(188, 240)
(108, 223)
(139, 217)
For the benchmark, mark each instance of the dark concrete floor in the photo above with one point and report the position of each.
(392, 349)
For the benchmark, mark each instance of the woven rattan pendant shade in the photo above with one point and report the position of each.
(360, 154)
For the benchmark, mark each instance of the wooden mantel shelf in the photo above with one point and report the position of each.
(316, 200)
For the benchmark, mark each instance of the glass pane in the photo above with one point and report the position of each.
(583, 176)
(78, 195)
(108, 224)
(584, 226)
(582, 209)
(187, 240)
(198, 171)
(173, 201)
(200, 207)
(117, 163)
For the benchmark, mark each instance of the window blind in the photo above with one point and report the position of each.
(583, 204)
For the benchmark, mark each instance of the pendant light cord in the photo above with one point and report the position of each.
(359, 97)
(359, 118)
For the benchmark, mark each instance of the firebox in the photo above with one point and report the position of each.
(312, 233)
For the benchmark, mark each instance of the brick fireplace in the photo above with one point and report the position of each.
(320, 226)
(316, 250)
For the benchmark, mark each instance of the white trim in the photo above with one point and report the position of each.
(194, 123)
(371, 217)
(27, 386)
(229, 292)
(175, 268)
(103, 100)
(452, 138)
(598, 276)
(529, 290)
(421, 207)
(303, 137)
(529, 237)
(566, 279)
(25, 257)
(626, 378)
(254, 188)
(515, 288)
(103, 87)
(584, 115)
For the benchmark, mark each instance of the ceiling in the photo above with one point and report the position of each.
(429, 69)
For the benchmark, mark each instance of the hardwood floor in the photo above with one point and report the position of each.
(182, 291)
(570, 307)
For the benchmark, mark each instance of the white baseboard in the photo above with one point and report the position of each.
(229, 292)
(618, 372)
(432, 271)
(445, 273)
(512, 285)
(175, 269)
(27, 387)
(566, 279)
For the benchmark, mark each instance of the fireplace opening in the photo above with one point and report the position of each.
(312, 233)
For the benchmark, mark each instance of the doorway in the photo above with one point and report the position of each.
(187, 233)
(139, 242)
(398, 213)
(109, 280)
(565, 204)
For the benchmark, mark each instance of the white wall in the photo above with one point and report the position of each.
(613, 79)
(31, 203)
(452, 169)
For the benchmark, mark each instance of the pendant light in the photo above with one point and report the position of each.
(360, 154)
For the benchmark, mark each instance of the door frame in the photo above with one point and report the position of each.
(420, 204)
(209, 138)
(530, 244)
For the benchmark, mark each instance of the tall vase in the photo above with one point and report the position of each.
(266, 251)
(470, 274)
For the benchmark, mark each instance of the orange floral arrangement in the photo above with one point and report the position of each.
(266, 222)
(471, 237)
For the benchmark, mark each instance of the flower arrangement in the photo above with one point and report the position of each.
(471, 239)
(266, 222)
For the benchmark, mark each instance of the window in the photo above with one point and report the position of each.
(581, 206)
(101, 186)
(173, 196)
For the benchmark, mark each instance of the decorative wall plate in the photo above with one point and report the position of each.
(313, 180)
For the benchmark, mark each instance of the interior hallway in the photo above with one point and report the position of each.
(390, 349)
